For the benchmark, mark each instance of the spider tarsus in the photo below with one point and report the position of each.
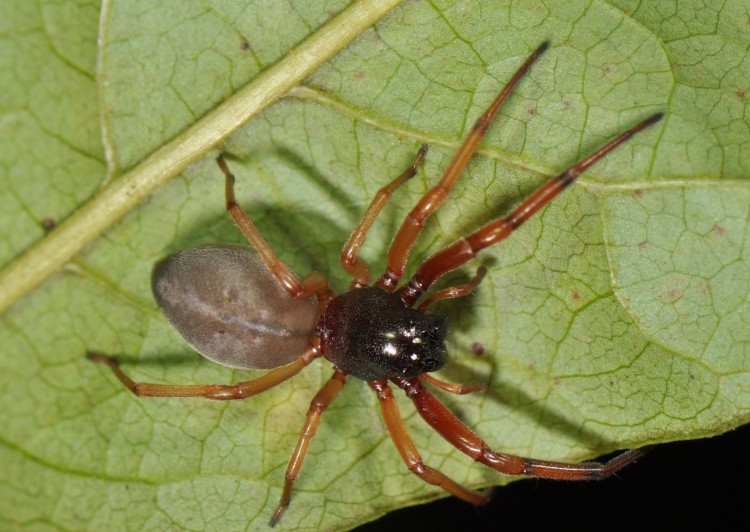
(276, 516)
(648, 122)
(98, 358)
(95, 357)
(653, 119)
(420, 156)
(225, 169)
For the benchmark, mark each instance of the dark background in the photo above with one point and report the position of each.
(701, 484)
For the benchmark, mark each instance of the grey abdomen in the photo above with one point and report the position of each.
(224, 301)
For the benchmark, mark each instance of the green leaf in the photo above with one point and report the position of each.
(618, 317)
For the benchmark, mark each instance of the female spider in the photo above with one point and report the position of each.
(245, 308)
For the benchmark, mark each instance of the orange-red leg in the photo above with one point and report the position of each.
(458, 389)
(312, 285)
(218, 392)
(409, 453)
(320, 402)
(349, 259)
(467, 248)
(398, 253)
(455, 291)
(462, 438)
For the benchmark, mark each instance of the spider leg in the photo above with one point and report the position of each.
(409, 453)
(462, 438)
(320, 402)
(458, 389)
(314, 284)
(467, 248)
(218, 392)
(349, 260)
(455, 291)
(398, 253)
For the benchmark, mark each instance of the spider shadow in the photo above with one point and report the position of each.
(520, 401)
(161, 359)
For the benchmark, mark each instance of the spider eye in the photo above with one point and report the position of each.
(390, 349)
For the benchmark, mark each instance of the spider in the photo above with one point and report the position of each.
(245, 308)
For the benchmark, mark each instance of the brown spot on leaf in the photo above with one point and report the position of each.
(477, 348)
(719, 229)
(48, 224)
(638, 193)
(643, 245)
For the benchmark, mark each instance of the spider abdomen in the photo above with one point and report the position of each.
(369, 333)
(226, 303)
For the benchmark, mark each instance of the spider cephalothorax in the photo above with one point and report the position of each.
(371, 334)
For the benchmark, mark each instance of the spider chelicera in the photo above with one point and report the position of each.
(245, 308)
